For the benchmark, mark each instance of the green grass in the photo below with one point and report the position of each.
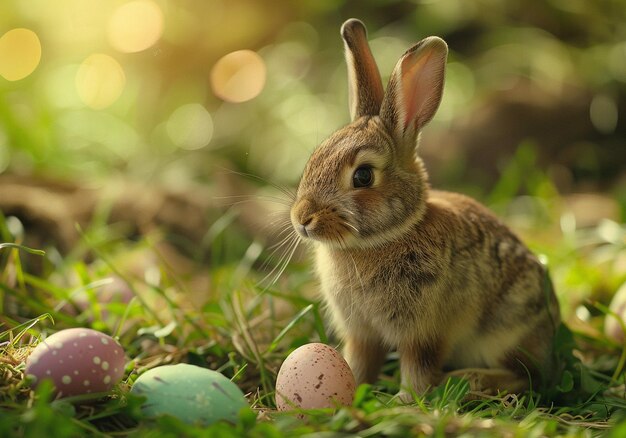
(218, 317)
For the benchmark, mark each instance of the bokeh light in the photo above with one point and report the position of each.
(59, 86)
(20, 53)
(238, 76)
(5, 155)
(603, 112)
(100, 81)
(135, 26)
(190, 126)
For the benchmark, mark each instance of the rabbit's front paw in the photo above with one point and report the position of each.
(406, 396)
(365, 357)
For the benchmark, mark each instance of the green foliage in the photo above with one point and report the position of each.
(245, 331)
(42, 419)
(227, 332)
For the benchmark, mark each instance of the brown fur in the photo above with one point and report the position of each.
(434, 275)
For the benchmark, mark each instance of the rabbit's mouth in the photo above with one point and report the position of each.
(326, 230)
(327, 225)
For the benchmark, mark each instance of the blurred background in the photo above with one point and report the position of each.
(141, 111)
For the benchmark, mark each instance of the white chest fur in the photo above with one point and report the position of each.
(360, 305)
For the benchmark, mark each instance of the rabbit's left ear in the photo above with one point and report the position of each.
(364, 83)
(415, 89)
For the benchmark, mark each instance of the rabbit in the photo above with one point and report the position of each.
(431, 274)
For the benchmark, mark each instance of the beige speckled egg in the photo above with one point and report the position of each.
(314, 376)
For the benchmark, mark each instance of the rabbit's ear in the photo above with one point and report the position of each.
(415, 90)
(364, 83)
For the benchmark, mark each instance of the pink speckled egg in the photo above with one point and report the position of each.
(314, 376)
(77, 361)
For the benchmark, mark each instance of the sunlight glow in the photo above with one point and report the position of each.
(238, 76)
(135, 26)
(100, 81)
(20, 53)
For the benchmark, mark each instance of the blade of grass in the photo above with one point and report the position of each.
(38, 252)
(123, 277)
(36, 305)
(319, 325)
(295, 320)
(201, 331)
(622, 359)
(24, 328)
(238, 312)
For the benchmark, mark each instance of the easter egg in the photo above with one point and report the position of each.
(77, 361)
(314, 376)
(193, 394)
(612, 327)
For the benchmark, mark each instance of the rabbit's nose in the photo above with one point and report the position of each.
(305, 226)
(303, 217)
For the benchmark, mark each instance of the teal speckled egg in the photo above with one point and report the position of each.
(193, 394)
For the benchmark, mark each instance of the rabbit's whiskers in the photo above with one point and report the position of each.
(346, 224)
(243, 199)
(286, 241)
(281, 233)
(290, 243)
(290, 194)
(286, 238)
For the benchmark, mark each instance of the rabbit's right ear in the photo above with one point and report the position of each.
(364, 82)
(414, 91)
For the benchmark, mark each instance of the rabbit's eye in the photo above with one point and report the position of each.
(363, 177)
